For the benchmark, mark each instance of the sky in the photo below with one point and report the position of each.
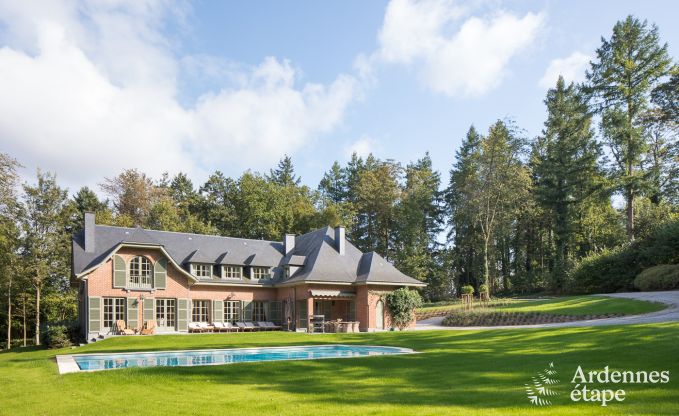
(89, 88)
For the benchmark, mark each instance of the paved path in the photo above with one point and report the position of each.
(671, 313)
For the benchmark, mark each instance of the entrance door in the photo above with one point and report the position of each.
(166, 313)
(379, 315)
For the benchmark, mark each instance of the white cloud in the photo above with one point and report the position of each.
(90, 88)
(572, 68)
(362, 147)
(453, 52)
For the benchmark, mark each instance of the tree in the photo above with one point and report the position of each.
(627, 68)
(333, 184)
(419, 218)
(501, 185)
(284, 174)
(10, 214)
(133, 194)
(565, 166)
(46, 238)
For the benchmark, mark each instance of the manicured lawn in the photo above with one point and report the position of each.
(458, 372)
(572, 305)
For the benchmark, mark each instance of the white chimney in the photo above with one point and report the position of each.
(289, 243)
(340, 240)
(89, 232)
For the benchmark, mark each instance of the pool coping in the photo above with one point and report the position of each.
(67, 364)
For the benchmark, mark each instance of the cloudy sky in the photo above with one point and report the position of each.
(88, 88)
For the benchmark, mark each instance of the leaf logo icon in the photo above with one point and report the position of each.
(542, 386)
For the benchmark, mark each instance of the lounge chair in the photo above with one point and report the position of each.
(230, 327)
(223, 327)
(251, 326)
(121, 329)
(243, 327)
(206, 327)
(263, 326)
(194, 327)
(272, 326)
(149, 328)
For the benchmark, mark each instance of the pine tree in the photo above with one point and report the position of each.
(627, 68)
(564, 163)
(284, 174)
(333, 185)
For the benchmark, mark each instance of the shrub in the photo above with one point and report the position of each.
(662, 277)
(615, 270)
(484, 289)
(467, 290)
(402, 303)
(57, 337)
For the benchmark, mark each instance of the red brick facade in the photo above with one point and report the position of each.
(99, 284)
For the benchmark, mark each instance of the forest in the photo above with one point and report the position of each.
(567, 211)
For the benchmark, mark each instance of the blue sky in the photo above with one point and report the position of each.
(89, 88)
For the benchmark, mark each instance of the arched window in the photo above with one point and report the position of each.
(141, 272)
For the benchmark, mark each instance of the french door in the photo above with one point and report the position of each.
(166, 312)
(114, 310)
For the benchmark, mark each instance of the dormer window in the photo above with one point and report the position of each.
(141, 273)
(260, 273)
(233, 272)
(202, 270)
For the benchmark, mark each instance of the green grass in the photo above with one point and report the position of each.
(457, 372)
(572, 305)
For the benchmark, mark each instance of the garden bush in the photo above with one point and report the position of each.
(615, 270)
(662, 277)
(484, 289)
(467, 290)
(402, 304)
(57, 336)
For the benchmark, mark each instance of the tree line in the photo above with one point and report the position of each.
(517, 215)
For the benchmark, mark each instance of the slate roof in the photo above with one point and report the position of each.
(314, 253)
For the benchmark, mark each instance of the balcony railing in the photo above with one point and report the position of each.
(139, 282)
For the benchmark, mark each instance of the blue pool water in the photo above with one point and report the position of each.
(90, 362)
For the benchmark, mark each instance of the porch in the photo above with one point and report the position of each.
(327, 311)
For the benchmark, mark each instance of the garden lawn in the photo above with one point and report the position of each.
(457, 372)
(572, 305)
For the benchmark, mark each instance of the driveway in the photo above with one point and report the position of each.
(670, 314)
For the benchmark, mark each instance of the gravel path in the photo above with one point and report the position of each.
(670, 314)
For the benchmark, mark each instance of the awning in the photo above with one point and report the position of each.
(331, 294)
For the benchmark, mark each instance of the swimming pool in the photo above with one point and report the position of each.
(95, 362)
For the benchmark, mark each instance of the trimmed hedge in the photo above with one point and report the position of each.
(662, 277)
(615, 270)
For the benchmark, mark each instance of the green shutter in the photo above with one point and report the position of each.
(94, 314)
(217, 311)
(182, 314)
(119, 271)
(303, 313)
(246, 310)
(274, 314)
(160, 274)
(149, 309)
(132, 313)
(352, 311)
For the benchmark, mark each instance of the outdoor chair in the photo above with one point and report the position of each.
(206, 327)
(263, 326)
(194, 327)
(273, 326)
(229, 327)
(121, 328)
(251, 326)
(149, 328)
(219, 327)
(243, 327)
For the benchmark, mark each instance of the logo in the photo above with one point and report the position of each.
(542, 387)
(602, 387)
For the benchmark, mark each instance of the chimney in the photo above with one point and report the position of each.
(89, 232)
(340, 240)
(289, 243)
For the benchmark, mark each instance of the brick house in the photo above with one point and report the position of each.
(138, 275)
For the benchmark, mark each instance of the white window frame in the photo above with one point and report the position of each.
(258, 312)
(259, 273)
(166, 312)
(232, 311)
(203, 311)
(140, 273)
(232, 272)
(201, 269)
(114, 310)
